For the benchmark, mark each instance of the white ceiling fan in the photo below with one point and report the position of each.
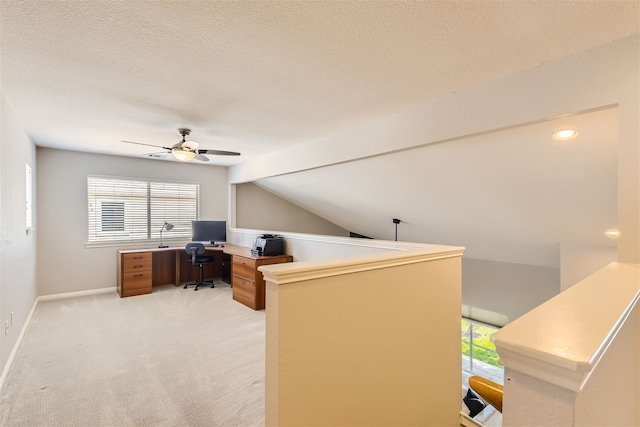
(188, 150)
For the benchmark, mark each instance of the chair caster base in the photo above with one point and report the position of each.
(199, 285)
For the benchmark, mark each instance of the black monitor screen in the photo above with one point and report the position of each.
(209, 231)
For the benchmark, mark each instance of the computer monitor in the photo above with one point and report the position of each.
(209, 231)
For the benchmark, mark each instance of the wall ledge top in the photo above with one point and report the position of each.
(591, 312)
(390, 254)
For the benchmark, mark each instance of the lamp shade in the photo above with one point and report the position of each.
(165, 226)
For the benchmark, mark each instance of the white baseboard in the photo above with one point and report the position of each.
(77, 294)
(12, 355)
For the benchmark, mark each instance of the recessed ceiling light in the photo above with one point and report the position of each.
(612, 233)
(565, 135)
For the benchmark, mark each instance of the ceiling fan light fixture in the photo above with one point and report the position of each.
(190, 144)
(184, 150)
(183, 155)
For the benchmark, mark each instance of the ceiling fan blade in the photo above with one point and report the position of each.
(201, 157)
(219, 152)
(157, 155)
(148, 145)
(183, 150)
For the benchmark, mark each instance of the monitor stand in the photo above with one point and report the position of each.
(212, 244)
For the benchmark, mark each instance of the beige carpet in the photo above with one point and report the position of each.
(172, 358)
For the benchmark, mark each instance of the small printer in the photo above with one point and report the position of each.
(268, 245)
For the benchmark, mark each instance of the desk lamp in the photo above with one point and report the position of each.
(169, 227)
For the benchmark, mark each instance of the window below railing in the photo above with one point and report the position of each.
(479, 355)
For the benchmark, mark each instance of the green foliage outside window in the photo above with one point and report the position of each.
(477, 337)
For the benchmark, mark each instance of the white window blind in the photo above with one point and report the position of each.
(123, 209)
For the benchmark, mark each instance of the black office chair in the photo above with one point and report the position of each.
(196, 250)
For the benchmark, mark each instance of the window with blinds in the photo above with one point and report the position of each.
(29, 197)
(122, 209)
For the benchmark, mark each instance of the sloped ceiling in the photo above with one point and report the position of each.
(513, 195)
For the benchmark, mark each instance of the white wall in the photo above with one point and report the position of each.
(493, 292)
(17, 248)
(308, 247)
(579, 261)
(64, 263)
(610, 386)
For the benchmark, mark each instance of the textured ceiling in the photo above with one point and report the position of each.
(258, 77)
(261, 77)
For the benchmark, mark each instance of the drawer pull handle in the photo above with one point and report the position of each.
(138, 275)
(138, 266)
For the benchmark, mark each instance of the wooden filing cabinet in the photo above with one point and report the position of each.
(134, 273)
(248, 283)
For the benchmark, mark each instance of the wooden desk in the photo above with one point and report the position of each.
(247, 282)
(141, 269)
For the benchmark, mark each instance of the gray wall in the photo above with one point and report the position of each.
(505, 289)
(17, 248)
(65, 263)
(258, 208)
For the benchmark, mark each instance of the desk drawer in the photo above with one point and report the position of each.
(244, 267)
(244, 291)
(143, 265)
(136, 257)
(134, 292)
(137, 280)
